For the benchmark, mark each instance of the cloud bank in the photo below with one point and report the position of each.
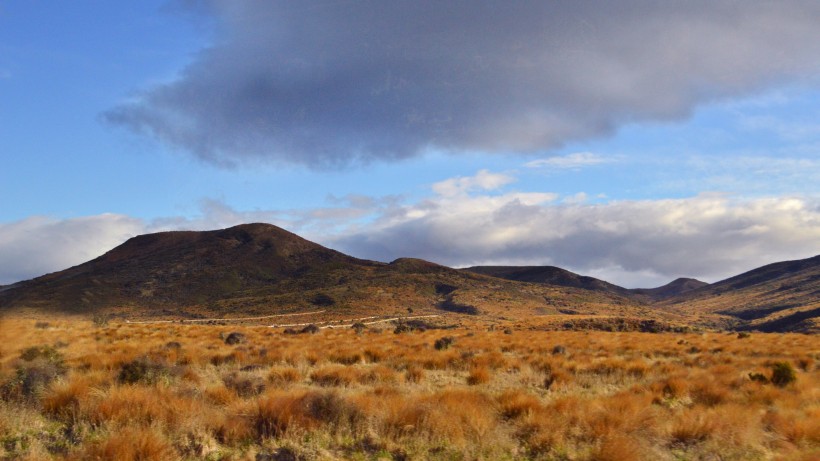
(328, 83)
(637, 243)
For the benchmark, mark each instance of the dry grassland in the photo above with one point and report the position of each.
(75, 391)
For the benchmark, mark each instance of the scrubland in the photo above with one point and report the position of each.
(77, 391)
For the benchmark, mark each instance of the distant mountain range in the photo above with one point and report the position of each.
(551, 275)
(259, 269)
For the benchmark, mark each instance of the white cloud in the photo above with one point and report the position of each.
(38, 244)
(574, 161)
(708, 236)
(483, 180)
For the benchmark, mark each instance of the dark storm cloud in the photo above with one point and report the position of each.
(339, 82)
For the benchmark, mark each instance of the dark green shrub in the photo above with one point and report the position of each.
(100, 320)
(142, 370)
(45, 353)
(43, 365)
(235, 338)
(245, 385)
(758, 377)
(322, 299)
(783, 374)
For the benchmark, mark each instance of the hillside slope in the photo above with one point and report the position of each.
(674, 288)
(549, 275)
(259, 269)
(783, 296)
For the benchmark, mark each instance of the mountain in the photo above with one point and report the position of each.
(783, 296)
(260, 269)
(674, 288)
(549, 275)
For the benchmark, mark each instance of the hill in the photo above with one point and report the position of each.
(549, 275)
(783, 296)
(674, 288)
(259, 269)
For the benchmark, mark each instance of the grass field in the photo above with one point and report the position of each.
(75, 390)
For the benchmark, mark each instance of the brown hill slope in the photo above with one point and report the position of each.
(783, 296)
(549, 275)
(674, 288)
(260, 269)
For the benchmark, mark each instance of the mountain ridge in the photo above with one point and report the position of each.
(259, 268)
(255, 269)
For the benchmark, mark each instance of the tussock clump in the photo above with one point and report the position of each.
(141, 444)
(335, 376)
(414, 374)
(618, 448)
(516, 404)
(478, 375)
(283, 376)
(276, 414)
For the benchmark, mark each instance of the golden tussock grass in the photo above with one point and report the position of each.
(171, 391)
(140, 444)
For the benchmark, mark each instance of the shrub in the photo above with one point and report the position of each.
(758, 377)
(235, 338)
(783, 374)
(322, 299)
(30, 381)
(44, 353)
(244, 385)
(444, 343)
(100, 320)
(142, 370)
(43, 365)
(42, 325)
(310, 329)
(359, 327)
(559, 350)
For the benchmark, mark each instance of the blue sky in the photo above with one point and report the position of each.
(387, 131)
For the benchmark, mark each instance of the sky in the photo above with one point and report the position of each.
(634, 141)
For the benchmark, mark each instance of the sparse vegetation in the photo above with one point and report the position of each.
(175, 391)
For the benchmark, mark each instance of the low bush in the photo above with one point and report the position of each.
(143, 370)
(444, 343)
(783, 374)
(235, 338)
